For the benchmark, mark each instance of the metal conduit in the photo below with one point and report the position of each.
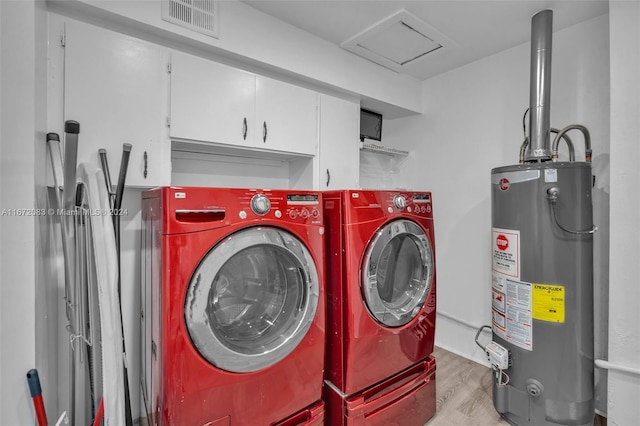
(540, 86)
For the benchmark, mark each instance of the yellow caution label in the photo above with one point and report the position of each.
(547, 302)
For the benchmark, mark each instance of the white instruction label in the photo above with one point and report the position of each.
(511, 311)
(506, 252)
(519, 314)
(499, 305)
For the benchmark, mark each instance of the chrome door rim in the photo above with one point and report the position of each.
(378, 308)
(198, 302)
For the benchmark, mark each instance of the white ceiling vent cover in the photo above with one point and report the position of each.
(196, 15)
(398, 41)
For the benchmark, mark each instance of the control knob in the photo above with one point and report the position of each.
(400, 202)
(260, 204)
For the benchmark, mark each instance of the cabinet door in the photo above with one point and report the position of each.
(211, 102)
(339, 143)
(116, 87)
(286, 117)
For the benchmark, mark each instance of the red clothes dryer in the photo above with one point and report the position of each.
(381, 293)
(233, 306)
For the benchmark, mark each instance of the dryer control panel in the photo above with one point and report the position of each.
(409, 202)
(365, 203)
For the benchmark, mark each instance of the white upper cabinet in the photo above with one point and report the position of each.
(339, 143)
(115, 86)
(212, 102)
(125, 90)
(286, 117)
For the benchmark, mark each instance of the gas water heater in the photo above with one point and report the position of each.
(542, 268)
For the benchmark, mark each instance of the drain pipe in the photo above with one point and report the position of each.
(608, 365)
(540, 87)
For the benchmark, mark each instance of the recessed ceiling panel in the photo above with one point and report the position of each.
(400, 43)
(397, 41)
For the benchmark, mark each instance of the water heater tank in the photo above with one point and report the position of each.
(542, 292)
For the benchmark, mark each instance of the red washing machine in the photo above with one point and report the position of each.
(381, 308)
(233, 311)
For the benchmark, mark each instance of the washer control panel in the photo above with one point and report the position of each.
(190, 209)
(295, 207)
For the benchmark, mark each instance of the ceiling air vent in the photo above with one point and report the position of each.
(398, 41)
(196, 15)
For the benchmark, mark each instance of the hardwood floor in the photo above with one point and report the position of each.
(463, 392)
(464, 395)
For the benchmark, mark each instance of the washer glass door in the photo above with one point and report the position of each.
(252, 299)
(397, 272)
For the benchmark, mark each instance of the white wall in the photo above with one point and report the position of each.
(624, 319)
(21, 119)
(1, 191)
(473, 123)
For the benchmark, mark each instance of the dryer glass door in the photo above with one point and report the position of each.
(252, 299)
(397, 272)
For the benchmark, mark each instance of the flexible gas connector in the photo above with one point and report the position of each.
(572, 151)
(587, 140)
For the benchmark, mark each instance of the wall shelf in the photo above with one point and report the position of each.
(379, 149)
(379, 164)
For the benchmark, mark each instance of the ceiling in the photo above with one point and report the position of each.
(423, 38)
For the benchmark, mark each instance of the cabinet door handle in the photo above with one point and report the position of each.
(264, 131)
(328, 178)
(244, 129)
(145, 164)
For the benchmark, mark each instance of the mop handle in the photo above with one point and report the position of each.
(71, 128)
(36, 394)
(53, 142)
(124, 163)
(102, 153)
(117, 204)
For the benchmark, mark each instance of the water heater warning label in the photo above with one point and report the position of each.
(506, 252)
(548, 302)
